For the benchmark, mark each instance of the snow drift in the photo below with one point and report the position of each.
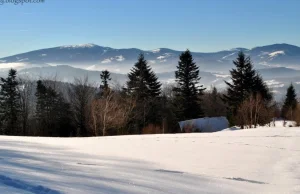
(207, 124)
(262, 160)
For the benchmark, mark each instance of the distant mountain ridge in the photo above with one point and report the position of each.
(95, 57)
(279, 64)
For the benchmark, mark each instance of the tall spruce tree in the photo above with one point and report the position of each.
(144, 86)
(242, 78)
(53, 113)
(10, 104)
(261, 88)
(188, 90)
(41, 95)
(65, 126)
(143, 82)
(105, 77)
(290, 103)
(46, 109)
(245, 81)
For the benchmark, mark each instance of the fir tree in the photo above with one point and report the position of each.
(290, 102)
(261, 88)
(188, 90)
(10, 104)
(47, 106)
(214, 94)
(144, 86)
(143, 82)
(105, 77)
(41, 94)
(65, 125)
(242, 81)
(245, 81)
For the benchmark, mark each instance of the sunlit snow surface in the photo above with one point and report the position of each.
(263, 160)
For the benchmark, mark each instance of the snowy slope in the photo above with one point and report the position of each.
(264, 160)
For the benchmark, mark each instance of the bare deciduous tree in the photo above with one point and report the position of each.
(253, 112)
(104, 112)
(81, 94)
(26, 101)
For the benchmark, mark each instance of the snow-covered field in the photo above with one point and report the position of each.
(263, 160)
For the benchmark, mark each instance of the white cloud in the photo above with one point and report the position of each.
(116, 58)
(11, 65)
(93, 67)
(221, 75)
(263, 53)
(156, 50)
(274, 84)
(106, 61)
(274, 54)
(53, 64)
(120, 58)
(164, 56)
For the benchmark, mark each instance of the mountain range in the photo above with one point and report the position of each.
(279, 64)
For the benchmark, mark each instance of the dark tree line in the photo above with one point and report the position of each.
(188, 90)
(289, 108)
(248, 97)
(143, 86)
(143, 105)
(53, 112)
(10, 106)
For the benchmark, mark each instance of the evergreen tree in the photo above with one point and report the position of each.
(144, 86)
(65, 125)
(242, 81)
(105, 77)
(10, 104)
(49, 109)
(143, 82)
(213, 105)
(290, 102)
(41, 94)
(245, 82)
(43, 108)
(260, 87)
(214, 94)
(188, 90)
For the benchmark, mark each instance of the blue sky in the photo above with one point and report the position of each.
(200, 25)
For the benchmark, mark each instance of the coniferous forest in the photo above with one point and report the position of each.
(47, 107)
